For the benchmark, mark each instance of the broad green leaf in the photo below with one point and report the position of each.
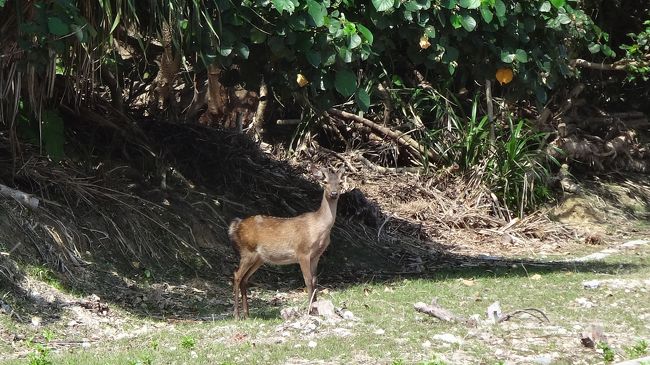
(500, 8)
(313, 57)
(225, 51)
(451, 68)
(383, 5)
(545, 7)
(362, 99)
(468, 22)
(345, 54)
(449, 4)
(470, 4)
(257, 36)
(456, 21)
(365, 32)
(430, 31)
(355, 41)
(594, 48)
(317, 12)
(451, 54)
(607, 51)
(345, 82)
(284, 5)
(182, 23)
(486, 13)
(243, 51)
(562, 18)
(558, 3)
(521, 56)
(57, 27)
(507, 57)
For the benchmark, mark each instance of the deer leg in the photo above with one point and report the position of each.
(314, 280)
(244, 284)
(305, 267)
(245, 263)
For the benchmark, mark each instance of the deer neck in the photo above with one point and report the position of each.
(327, 210)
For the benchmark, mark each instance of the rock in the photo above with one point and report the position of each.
(347, 315)
(592, 336)
(323, 308)
(591, 284)
(312, 344)
(494, 312)
(380, 332)
(448, 337)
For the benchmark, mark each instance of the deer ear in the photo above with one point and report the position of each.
(317, 172)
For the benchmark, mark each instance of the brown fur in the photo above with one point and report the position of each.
(302, 239)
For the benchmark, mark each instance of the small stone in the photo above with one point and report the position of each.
(380, 332)
(591, 284)
(312, 344)
(426, 344)
(36, 321)
(448, 337)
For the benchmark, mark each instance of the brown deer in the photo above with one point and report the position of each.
(303, 239)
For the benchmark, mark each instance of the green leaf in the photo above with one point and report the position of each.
(468, 22)
(521, 56)
(313, 57)
(362, 99)
(355, 41)
(243, 51)
(448, 4)
(182, 23)
(594, 48)
(257, 36)
(383, 5)
(317, 11)
(284, 5)
(558, 3)
(451, 68)
(345, 82)
(470, 4)
(607, 51)
(56, 26)
(507, 57)
(365, 32)
(487, 15)
(456, 21)
(345, 54)
(500, 8)
(545, 7)
(562, 18)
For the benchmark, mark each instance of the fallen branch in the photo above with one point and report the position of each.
(437, 311)
(621, 65)
(19, 196)
(529, 311)
(399, 137)
(384, 170)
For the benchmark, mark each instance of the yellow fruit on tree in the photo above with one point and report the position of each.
(424, 42)
(504, 75)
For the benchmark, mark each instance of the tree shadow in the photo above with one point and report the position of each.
(228, 168)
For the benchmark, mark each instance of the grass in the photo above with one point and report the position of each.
(389, 331)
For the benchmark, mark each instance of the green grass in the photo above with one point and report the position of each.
(389, 331)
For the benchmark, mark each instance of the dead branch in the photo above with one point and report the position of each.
(383, 169)
(399, 137)
(437, 311)
(621, 65)
(23, 198)
(529, 311)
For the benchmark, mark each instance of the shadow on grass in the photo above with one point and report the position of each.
(247, 182)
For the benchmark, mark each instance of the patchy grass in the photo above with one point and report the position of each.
(386, 328)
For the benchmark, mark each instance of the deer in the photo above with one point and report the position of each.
(302, 239)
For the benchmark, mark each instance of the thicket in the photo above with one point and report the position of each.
(461, 83)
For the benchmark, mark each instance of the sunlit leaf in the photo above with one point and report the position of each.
(383, 5)
(470, 4)
(468, 22)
